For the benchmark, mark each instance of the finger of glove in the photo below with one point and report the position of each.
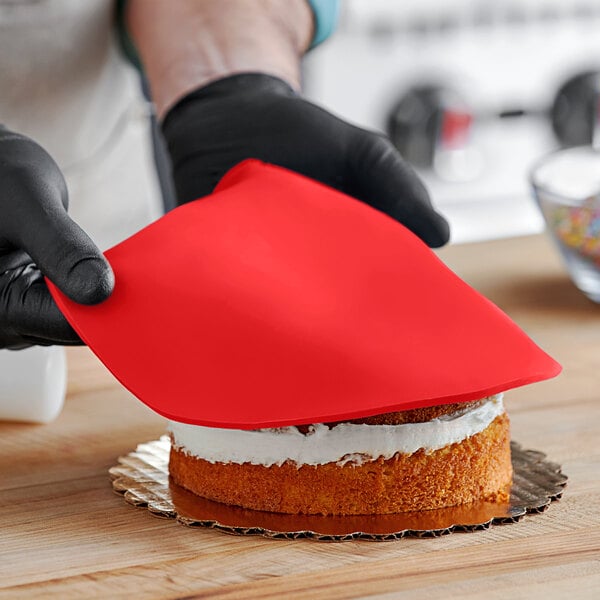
(383, 180)
(49, 326)
(29, 314)
(33, 202)
(66, 255)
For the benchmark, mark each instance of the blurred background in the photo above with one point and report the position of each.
(472, 93)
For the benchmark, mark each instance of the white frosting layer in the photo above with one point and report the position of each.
(343, 443)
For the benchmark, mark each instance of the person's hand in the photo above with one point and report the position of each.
(260, 116)
(38, 238)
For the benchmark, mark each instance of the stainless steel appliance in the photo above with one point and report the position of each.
(473, 93)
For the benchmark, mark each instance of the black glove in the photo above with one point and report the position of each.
(36, 230)
(259, 116)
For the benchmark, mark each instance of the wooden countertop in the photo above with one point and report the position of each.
(65, 534)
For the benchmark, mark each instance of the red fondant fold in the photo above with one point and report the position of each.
(277, 301)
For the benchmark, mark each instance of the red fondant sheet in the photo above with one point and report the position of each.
(277, 301)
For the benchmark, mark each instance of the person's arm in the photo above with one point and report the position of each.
(224, 75)
(38, 238)
(187, 44)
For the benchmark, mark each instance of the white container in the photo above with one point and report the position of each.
(33, 383)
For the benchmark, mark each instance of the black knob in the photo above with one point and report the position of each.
(425, 117)
(575, 109)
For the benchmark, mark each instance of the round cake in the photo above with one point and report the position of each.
(414, 460)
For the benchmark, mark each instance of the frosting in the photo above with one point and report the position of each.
(343, 443)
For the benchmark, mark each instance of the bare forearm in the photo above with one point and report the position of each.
(189, 43)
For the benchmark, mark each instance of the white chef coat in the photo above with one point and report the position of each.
(65, 83)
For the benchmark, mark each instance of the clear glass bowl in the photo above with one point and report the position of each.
(566, 185)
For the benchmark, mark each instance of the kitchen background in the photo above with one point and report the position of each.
(472, 92)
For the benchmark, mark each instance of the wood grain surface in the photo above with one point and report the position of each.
(65, 534)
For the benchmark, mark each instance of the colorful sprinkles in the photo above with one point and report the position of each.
(578, 227)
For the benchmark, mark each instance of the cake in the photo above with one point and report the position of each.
(286, 302)
(414, 460)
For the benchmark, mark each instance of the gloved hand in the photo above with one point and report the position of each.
(38, 237)
(258, 116)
